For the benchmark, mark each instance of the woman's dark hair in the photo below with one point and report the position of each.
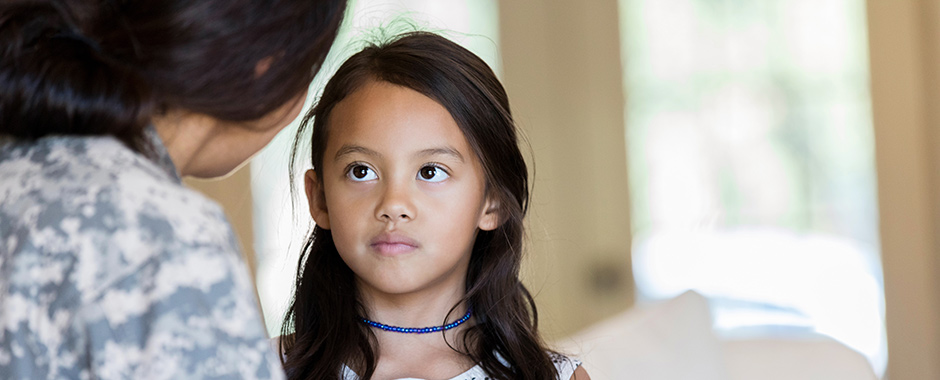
(322, 329)
(106, 67)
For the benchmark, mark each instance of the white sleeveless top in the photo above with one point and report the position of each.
(563, 364)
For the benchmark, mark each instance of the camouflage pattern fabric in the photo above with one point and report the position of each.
(111, 269)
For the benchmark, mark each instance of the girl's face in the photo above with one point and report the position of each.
(402, 192)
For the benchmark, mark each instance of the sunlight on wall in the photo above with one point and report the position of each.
(280, 228)
(750, 147)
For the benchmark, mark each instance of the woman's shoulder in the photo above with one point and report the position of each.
(120, 244)
(69, 157)
(102, 183)
(91, 200)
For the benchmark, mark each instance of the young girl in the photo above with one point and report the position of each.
(418, 191)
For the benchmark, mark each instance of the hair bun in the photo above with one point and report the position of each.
(54, 80)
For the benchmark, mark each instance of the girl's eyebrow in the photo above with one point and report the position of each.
(447, 151)
(350, 149)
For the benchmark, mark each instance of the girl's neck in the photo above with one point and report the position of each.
(422, 309)
(430, 355)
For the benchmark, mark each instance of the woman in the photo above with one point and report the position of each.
(109, 267)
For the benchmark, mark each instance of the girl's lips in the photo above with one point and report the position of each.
(392, 249)
(393, 244)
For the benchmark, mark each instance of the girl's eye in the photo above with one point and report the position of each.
(432, 174)
(361, 173)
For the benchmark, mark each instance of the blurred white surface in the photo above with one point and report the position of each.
(772, 282)
(674, 340)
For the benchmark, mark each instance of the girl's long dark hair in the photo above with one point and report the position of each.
(321, 330)
(106, 67)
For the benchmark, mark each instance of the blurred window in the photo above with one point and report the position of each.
(751, 158)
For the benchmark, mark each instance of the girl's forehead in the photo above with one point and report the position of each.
(392, 117)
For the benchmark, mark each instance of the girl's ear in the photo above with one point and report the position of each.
(491, 217)
(317, 199)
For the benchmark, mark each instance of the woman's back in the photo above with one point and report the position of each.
(109, 267)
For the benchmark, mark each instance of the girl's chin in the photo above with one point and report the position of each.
(388, 287)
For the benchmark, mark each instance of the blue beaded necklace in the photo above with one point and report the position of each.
(418, 330)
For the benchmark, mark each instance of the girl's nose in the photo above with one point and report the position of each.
(396, 204)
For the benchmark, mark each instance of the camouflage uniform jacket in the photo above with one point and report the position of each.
(111, 269)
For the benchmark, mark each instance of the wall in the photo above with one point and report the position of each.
(561, 68)
(905, 69)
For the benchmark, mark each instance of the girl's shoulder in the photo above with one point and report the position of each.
(565, 365)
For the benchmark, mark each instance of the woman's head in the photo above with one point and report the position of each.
(429, 75)
(108, 67)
